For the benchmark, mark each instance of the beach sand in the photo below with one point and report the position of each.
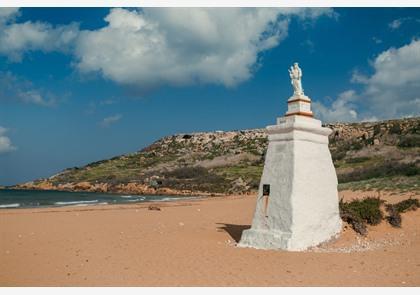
(192, 243)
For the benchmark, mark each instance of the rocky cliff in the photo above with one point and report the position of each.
(378, 155)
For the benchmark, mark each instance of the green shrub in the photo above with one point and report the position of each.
(395, 129)
(395, 210)
(356, 145)
(357, 160)
(409, 141)
(389, 168)
(359, 212)
(376, 129)
(353, 219)
(338, 155)
(369, 141)
(187, 172)
(254, 184)
(411, 170)
(394, 217)
(409, 204)
(195, 178)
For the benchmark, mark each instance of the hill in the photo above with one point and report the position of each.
(371, 155)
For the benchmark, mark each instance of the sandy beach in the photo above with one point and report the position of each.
(192, 243)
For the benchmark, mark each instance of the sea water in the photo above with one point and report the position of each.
(10, 199)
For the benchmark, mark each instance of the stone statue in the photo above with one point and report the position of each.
(296, 75)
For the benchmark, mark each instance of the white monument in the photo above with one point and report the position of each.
(297, 203)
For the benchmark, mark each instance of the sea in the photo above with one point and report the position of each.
(12, 199)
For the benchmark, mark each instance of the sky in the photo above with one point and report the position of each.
(83, 84)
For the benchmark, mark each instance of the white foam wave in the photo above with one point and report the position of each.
(76, 202)
(90, 204)
(136, 198)
(168, 199)
(14, 205)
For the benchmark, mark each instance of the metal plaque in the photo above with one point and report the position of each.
(266, 189)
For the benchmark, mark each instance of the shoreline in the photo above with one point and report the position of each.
(111, 207)
(102, 206)
(157, 193)
(346, 195)
(129, 188)
(93, 200)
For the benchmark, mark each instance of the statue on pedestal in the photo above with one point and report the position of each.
(297, 204)
(296, 75)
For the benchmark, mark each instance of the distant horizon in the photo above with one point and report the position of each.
(85, 84)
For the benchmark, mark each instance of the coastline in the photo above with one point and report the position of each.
(192, 243)
(130, 188)
(23, 199)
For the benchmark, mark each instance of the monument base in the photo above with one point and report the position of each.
(271, 239)
(300, 209)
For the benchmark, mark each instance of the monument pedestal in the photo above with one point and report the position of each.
(297, 203)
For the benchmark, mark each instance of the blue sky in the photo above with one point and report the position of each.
(79, 85)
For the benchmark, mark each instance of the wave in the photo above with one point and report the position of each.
(14, 205)
(76, 202)
(90, 204)
(134, 200)
(125, 199)
(167, 199)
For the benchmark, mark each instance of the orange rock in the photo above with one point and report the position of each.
(84, 185)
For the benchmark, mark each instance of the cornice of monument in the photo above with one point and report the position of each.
(293, 125)
(299, 98)
(300, 114)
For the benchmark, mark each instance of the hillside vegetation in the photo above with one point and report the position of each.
(379, 155)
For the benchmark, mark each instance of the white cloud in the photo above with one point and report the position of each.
(14, 88)
(110, 120)
(8, 13)
(395, 24)
(377, 40)
(5, 142)
(309, 45)
(152, 46)
(392, 91)
(179, 46)
(394, 88)
(342, 109)
(18, 38)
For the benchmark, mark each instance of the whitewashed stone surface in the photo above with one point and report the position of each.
(302, 207)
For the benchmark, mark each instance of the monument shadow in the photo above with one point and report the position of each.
(234, 230)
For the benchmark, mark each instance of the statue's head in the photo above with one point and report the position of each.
(295, 64)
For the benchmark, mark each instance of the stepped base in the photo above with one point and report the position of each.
(277, 240)
(264, 239)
